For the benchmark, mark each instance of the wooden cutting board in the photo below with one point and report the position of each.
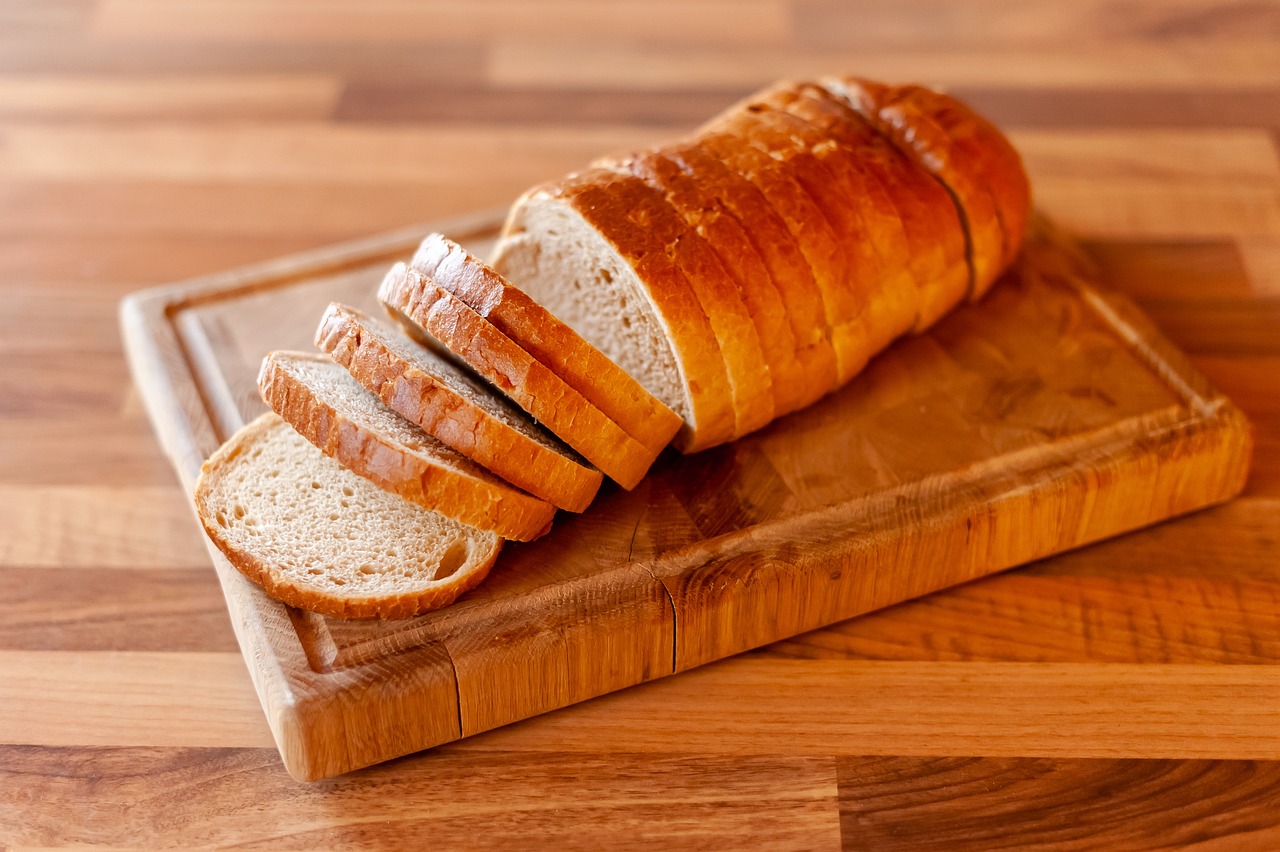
(1050, 415)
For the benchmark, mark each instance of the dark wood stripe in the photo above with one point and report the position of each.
(997, 803)
(204, 797)
(113, 609)
(400, 102)
(1219, 327)
(1165, 269)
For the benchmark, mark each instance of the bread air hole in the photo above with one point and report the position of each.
(452, 560)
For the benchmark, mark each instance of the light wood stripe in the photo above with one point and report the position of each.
(297, 151)
(850, 708)
(99, 526)
(197, 97)
(617, 63)
(937, 708)
(129, 698)
(690, 22)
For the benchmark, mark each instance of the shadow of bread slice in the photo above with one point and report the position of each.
(540, 333)
(416, 302)
(456, 408)
(329, 408)
(316, 536)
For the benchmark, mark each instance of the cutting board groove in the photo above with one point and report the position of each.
(1050, 415)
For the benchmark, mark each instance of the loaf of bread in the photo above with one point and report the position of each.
(747, 270)
(689, 293)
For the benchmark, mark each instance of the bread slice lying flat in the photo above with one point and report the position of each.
(459, 410)
(558, 347)
(329, 408)
(316, 536)
(408, 295)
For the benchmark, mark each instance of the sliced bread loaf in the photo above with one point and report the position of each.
(316, 536)
(581, 248)
(412, 299)
(557, 346)
(449, 404)
(916, 133)
(329, 408)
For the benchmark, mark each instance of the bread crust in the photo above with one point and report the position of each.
(536, 330)
(781, 254)
(436, 478)
(990, 152)
(623, 209)
(746, 367)
(530, 384)
(917, 134)
(708, 218)
(935, 240)
(878, 295)
(276, 582)
(816, 235)
(430, 395)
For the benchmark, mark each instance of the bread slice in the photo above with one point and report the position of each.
(698, 202)
(719, 297)
(329, 408)
(411, 298)
(988, 150)
(935, 238)
(580, 247)
(449, 404)
(557, 346)
(786, 264)
(316, 536)
(916, 133)
(875, 292)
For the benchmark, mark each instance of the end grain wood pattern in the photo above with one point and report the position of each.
(1047, 416)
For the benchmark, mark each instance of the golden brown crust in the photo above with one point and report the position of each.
(434, 399)
(931, 224)
(990, 152)
(647, 231)
(878, 295)
(526, 381)
(816, 235)
(276, 582)
(786, 264)
(436, 478)
(706, 216)
(583, 367)
(917, 134)
(735, 328)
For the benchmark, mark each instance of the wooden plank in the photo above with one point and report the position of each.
(991, 803)
(108, 526)
(123, 698)
(747, 22)
(295, 152)
(619, 64)
(116, 609)
(924, 709)
(438, 800)
(202, 97)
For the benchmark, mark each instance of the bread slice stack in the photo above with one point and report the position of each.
(690, 293)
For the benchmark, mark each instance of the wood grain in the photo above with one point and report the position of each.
(1175, 109)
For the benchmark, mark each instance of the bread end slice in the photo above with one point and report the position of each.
(318, 537)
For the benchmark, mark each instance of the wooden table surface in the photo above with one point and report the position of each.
(1123, 696)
